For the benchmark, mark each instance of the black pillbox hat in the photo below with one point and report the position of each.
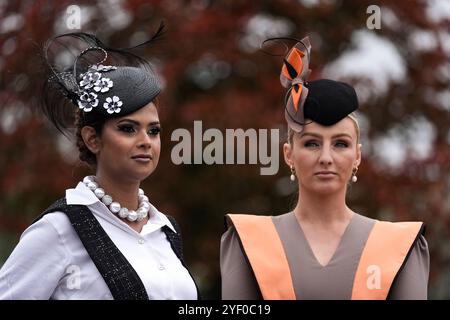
(327, 103)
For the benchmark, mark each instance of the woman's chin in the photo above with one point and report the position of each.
(138, 175)
(326, 187)
(145, 174)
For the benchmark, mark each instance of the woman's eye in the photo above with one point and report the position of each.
(154, 131)
(128, 129)
(311, 144)
(341, 144)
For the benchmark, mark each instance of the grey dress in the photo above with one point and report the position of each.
(310, 279)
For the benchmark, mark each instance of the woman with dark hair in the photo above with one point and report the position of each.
(104, 239)
(322, 249)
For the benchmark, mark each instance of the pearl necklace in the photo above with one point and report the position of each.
(115, 207)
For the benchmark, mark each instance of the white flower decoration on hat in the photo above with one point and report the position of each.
(113, 105)
(88, 100)
(92, 81)
(103, 85)
(89, 79)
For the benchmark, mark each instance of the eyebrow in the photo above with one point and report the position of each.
(319, 136)
(137, 122)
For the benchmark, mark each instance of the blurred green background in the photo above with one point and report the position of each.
(213, 71)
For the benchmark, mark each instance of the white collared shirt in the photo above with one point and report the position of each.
(50, 262)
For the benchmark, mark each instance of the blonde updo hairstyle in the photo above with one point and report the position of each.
(352, 116)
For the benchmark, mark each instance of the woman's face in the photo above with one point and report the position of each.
(324, 156)
(129, 146)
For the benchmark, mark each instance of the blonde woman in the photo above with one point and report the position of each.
(322, 249)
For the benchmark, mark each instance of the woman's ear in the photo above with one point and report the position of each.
(287, 150)
(91, 139)
(358, 154)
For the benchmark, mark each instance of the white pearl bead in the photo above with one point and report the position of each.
(99, 192)
(114, 207)
(123, 213)
(142, 213)
(88, 179)
(92, 185)
(107, 200)
(132, 215)
(354, 179)
(143, 198)
(292, 177)
(141, 192)
(145, 205)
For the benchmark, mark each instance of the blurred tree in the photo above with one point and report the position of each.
(213, 71)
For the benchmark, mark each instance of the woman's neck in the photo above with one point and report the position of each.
(322, 209)
(123, 192)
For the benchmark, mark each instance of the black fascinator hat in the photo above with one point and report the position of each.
(323, 101)
(100, 89)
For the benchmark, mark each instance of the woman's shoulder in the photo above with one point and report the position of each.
(404, 227)
(56, 219)
(229, 217)
(414, 229)
(408, 232)
(231, 235)
(43, 245)
(53, 228)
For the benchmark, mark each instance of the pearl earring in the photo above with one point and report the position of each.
(354, 177)
(292, 173)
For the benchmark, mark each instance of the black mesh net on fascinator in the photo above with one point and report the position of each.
(323, 101)
(100, 89)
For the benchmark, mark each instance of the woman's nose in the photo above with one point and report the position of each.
(325, 156)
(144, 140)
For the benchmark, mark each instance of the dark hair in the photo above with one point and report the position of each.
(80, 121)
(59, 91)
